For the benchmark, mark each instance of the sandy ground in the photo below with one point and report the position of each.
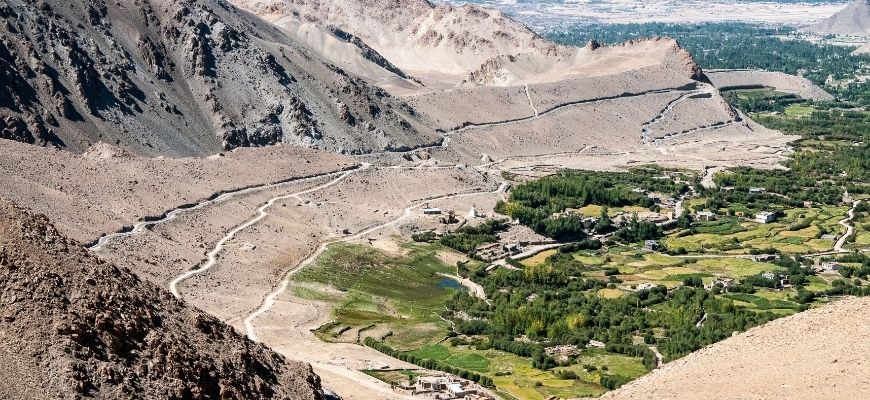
(816, 354)
(103, 191)
(255, 260)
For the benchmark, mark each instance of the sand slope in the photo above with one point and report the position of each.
(853, 20)
(817, 354)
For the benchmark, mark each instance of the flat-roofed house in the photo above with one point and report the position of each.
(765, 217)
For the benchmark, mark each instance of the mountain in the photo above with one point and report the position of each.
(854, 20)
(75, 326)
(438, 44)
(180, 78)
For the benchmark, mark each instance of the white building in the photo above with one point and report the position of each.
(431, 211)
(765, 217)
(705, 216)
(724, 282)
(457, 390)
(828, 267)
(472, 213)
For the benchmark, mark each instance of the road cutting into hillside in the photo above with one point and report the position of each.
(219, 197)
(531, 103)
(644, 132)
(212, 255)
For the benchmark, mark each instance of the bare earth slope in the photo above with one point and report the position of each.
(780, 81)
(173, 77)
(445, 45)
(86, 196)
(863, 49)
(817, 354)
(75, 326)
(853, 20)
(422, 38)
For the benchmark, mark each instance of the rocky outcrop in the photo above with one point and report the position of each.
(366, 51)
(173, 77)
(76, 327)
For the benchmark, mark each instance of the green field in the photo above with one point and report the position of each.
(637, 267)
(519, 379)
(379, 293)
(538, 259)
(799, 232)
(798, 110)
(394, 377)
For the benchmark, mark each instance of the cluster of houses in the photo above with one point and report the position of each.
(496, 251)
(763, 217)
(827, 267)
(449, 216)
(443, 387)
(562, 353)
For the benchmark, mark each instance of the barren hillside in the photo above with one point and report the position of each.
(853, 20)
(817, 354)
(75, 326)
(418, 36)
(173, 77)
(98, 192)
(443, 45)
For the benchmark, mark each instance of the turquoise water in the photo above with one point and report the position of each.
(450, 283)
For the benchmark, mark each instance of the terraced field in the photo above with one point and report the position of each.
(801, 231)
(374, 293)
(517, 378)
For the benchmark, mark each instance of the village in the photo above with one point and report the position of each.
(442, 386)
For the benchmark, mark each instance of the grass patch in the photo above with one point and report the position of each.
(538, 259)
(798, 110)
(398, 294)
(610, 293)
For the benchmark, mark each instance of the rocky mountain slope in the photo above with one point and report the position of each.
(75, 326)
(854, 20)
(817, 354)
(181, 77)
(429, 41)
(441, 46)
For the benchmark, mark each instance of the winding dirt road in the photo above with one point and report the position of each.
(850, 229)
(531, 103)
(140, 226)
(261, 213)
